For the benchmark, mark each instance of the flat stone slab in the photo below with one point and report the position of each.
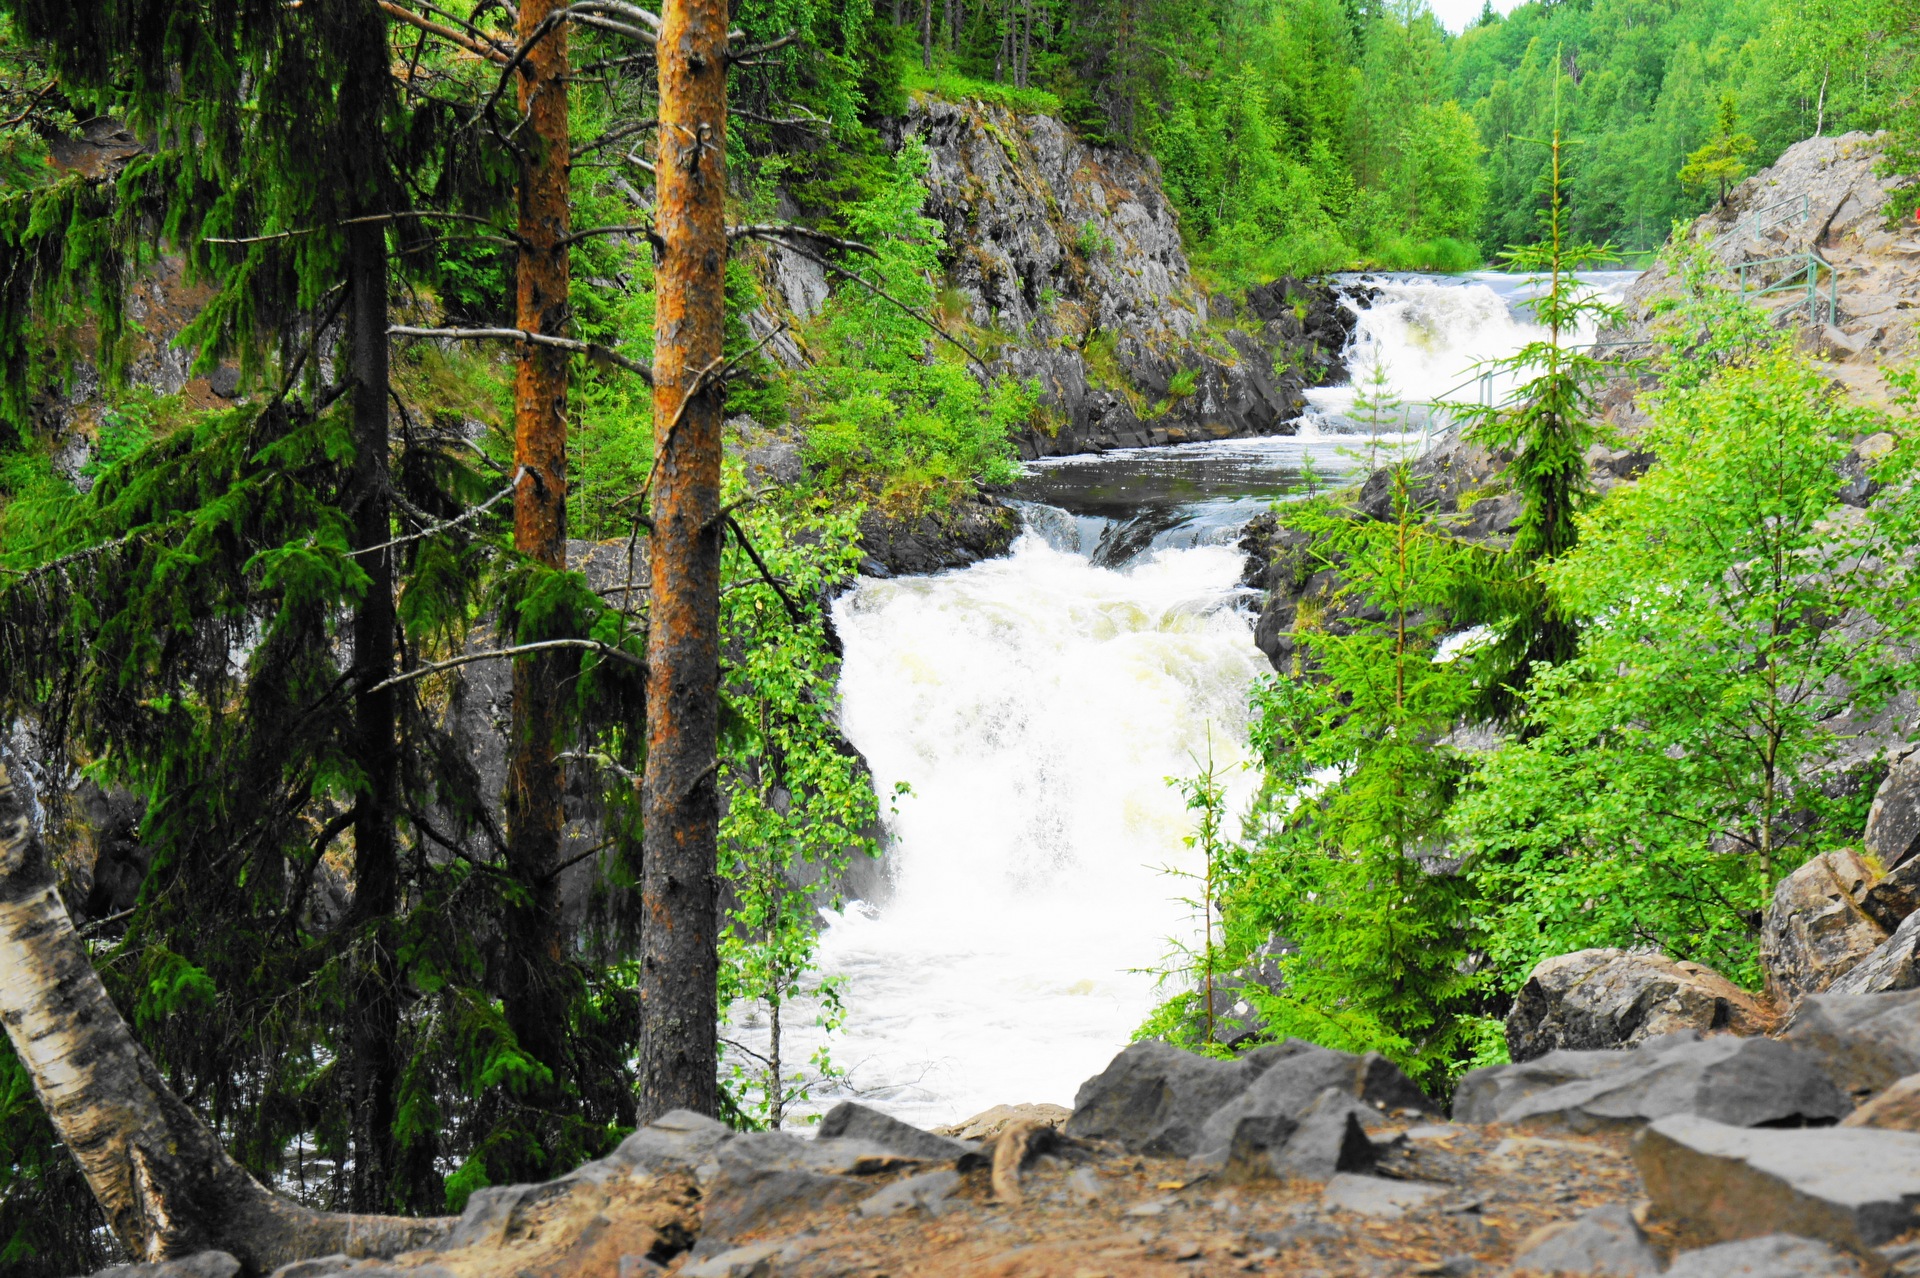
(1379, 1197)
(1771, 1256)
(1856, 1187)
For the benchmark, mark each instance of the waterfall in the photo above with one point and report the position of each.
(1035, 706)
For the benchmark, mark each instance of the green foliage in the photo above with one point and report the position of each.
(1191, 1017)
(886, 406)
(1347, 856)
(1664, 783)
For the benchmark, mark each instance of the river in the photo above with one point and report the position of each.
(1035, 706)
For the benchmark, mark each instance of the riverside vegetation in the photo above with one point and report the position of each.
(249, 730)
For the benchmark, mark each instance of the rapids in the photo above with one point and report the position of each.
(1035, 706)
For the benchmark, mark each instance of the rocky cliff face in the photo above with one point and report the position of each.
(1066, 261)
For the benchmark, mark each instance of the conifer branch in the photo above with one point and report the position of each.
(614, 135)
(517, 650)
(593, 350)
(455, 522)
(879, 292)
(428, 25)
(635, 228)
(795, 121)
(755, 50)
(777, 232)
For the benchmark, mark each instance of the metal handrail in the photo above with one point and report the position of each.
(1759, 222)
(1809, 265)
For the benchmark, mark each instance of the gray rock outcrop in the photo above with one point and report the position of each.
(1893, 823)
(1851, 1186)
(1890, 966)
(1609, 998)
(1744, 1082)
(1817, 928)
(1606, 1242)
(1066, 260)
(1769, 1256)
(1156, 1099)
(1864, 1042)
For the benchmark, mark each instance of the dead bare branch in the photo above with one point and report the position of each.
(517, 650)
(592, 350)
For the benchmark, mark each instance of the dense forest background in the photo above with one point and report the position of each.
(1310, 134)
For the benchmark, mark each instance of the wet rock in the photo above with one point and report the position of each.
(1769, 1256)
(857, 1122)
(1895, 1109)
(988, 1124)
(1155, 1099)
(963, 532)
(1604, 1243)
(1893, 823)
(1618, 998)
(1889, 967)
(1864, 1042)
(202, 1264)
(1851, 1186)
(1379, 1198)
(1741, 1081)
(1816, 928)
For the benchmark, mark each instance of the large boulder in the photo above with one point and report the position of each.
(1896, 1109)
(1769, 1256)
(1854, 1187)
(1893, 823)
(1817, 927)
(1864, 1042)
(1157, 1099)
(1745, 1082)
(1154, 1098)
(1609, 998)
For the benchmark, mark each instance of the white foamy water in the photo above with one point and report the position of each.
(1036, 705)
(1428, 334)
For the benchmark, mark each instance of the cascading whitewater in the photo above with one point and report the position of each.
(1036, 706)
(1428, 335)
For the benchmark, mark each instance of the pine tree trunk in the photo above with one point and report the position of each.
(926, 34)
(162, 1179)
(533, 989)
(373, 1065)
(678, 1066)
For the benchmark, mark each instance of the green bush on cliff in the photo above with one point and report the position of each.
(889, 406)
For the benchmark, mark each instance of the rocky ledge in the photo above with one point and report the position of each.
(1691, 1155)
(1066, 266)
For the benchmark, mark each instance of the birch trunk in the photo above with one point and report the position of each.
(680, 791)
(161, 1177)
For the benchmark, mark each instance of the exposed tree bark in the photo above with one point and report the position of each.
(680, 790)
(166, 1185)
(534, 991)
(926, 34)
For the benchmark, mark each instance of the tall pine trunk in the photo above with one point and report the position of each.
(534, 991)
(373, 1066)
(161, 1177)
(680, 789)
